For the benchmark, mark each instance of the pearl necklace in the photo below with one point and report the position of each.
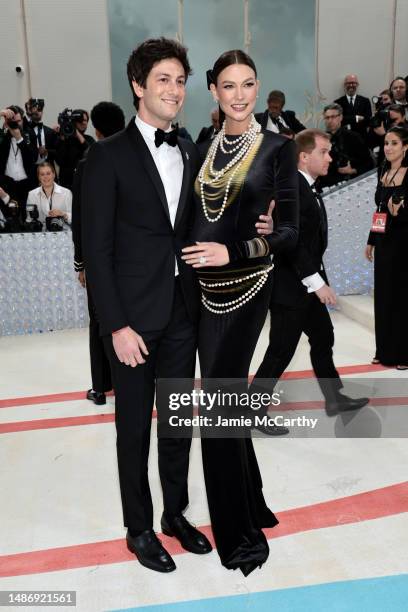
(225, 307)
(244, 146)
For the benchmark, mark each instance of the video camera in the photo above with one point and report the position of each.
(67, 120)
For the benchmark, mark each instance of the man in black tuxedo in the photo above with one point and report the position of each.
(275, 118)
(137, 186)
(18, 154)
(301, 292)
(350, 154)
(107, 119)
(208, 133)
(46, 137)
(357, 110)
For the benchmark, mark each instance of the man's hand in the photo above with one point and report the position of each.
(369, 252)
(347, 169)
(16, 133)
(79, 136)
(3, 194)
(265, 223)
(129, 347)
(210, 253)
(7, 114)
(326, 295)
(81, 278)
(42, 151)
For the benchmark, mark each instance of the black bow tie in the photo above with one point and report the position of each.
(161, 136)
(37, 125)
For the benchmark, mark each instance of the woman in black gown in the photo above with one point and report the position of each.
(390, 251)
(243, 170)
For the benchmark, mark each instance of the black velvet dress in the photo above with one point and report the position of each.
(227, 340)
(391, 279)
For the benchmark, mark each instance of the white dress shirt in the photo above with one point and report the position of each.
(169, 164)
(15, 166)
(314, 282)
(39, 132)
(272, 127)
(60, 198)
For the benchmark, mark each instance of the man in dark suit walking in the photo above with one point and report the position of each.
(46, 137)
(301, 291)
(137, 186)
(275, 118)
(357, 110)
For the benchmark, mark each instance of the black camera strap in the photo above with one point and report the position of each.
(50, 198)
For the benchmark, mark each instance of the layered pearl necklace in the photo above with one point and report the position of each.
(242, 146)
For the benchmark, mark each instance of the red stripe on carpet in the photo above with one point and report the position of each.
(79, 395)
(378, 503)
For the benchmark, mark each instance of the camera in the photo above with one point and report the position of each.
(338, 156)
(67, 120)
(13, 125)
(33, 225)
(54, 224)
(382, 116)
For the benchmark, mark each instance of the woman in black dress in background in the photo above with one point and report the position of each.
(243, 171)
(390, 250)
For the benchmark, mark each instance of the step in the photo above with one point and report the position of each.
(359, 308)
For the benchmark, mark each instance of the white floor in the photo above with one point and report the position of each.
(59, 488)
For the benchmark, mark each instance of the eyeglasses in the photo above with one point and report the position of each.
(351, 83)
(331, 116)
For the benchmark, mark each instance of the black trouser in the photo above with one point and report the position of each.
(100, 368)
(171, 355)
(287, 325)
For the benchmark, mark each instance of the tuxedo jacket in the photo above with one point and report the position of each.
(129, 244)
(362, 106)
(288, 116)
(307, 259)
(28, 153)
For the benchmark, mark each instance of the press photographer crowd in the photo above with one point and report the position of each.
(38, 162)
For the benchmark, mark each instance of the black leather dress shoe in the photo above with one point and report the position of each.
(189, 537)
(272, 430)
(97, 397)
(149, 551)
(345, 404)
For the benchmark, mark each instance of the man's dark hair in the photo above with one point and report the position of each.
(333, 106)
(277, 96)
(107, 118)
(306, 140)
(397, 108)
(149, 53)
(16, 109)
(82, 111)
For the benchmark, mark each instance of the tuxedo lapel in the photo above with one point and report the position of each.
(143, 152)
(186, 184)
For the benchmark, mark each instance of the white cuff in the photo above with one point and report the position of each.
(314, 282)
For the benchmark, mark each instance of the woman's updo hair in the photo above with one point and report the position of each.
(236, 56)
(402, 133)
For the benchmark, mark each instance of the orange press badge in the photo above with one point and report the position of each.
(379, 222)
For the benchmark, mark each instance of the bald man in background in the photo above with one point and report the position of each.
(356, 109)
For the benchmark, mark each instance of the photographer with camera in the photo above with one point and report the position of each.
(398, 90)
(53, 203)
(350, 155)
(18, 154)
(73, 143)
(46, 137)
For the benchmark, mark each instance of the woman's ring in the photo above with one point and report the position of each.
(202, 260)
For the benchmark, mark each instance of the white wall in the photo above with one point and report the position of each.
(68, 46)
(356, 36)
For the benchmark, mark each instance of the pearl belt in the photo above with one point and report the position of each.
(225, 307)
